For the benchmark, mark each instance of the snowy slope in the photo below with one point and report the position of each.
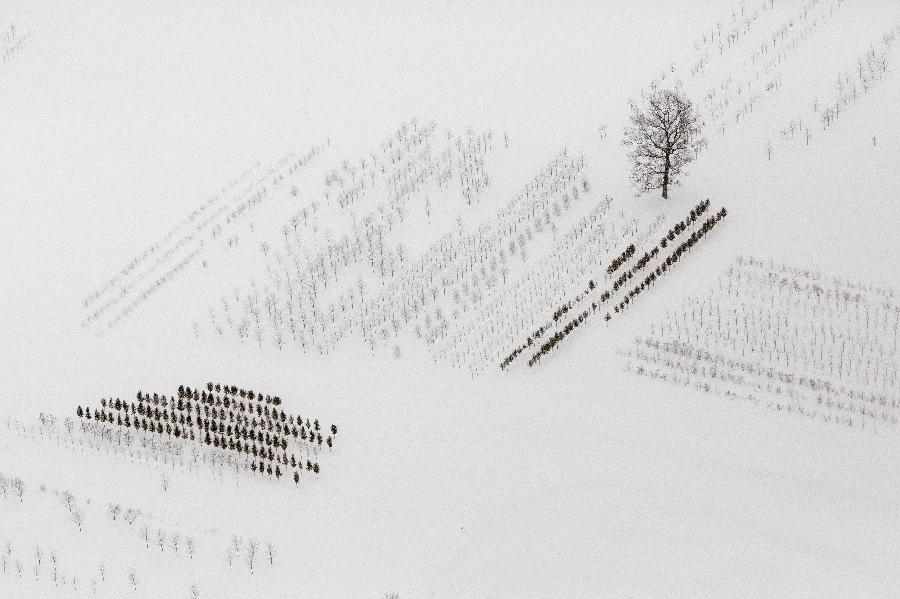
(570, 478)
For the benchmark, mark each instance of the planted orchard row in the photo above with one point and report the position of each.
(793, 337)
(573, 258)
(539, 332)
(205, 223)
(672, 259)
(679, 228)
(620, 259)
(648, 281)
(604, 297)
(777, 390)
(292, 306)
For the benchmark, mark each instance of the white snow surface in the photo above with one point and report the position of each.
(570, 479)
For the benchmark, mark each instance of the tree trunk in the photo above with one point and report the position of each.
(665, 192)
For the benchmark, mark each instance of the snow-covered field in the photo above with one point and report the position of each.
(364, 211)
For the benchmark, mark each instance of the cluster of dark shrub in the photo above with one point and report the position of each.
(671, 259)
(680, 227)
(628, 274)
(222, 417)
(621, 259)
(649, 280)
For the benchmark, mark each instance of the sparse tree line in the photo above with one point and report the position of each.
(489, 324)
(303, 278)
(719, 36)
(813, 283)
(250, 552)
(236, 420)
(162, 540)
(539, 332)
(849, 87)
(75, 512)
(291, 306)
(800, 342)
(11, 486)
(473, 177)
(151, 289)
(206, 222)
(46, 564)
(578, 252)
(760, 77)
(674, 231)
(679, 228)
(775, 390)
(590, 261)
(844, 330)
(870, 68)
(810, 388)
(672, 259)
(44, 561)
(451, 274)
(117, 279)
(648, 282)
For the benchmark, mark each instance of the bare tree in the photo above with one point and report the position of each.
(133, 579)
(18, 488)
(78, 517)
(270, 553)
(68, 500)
(131, 516)
(55, 561)
(662, 139)
(252, 545)
(114, 511)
